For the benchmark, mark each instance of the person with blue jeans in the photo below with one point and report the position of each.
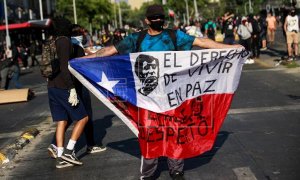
(158, 39)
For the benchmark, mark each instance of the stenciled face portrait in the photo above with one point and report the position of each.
(147, 69)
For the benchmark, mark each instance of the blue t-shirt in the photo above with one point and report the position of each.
(160, 42)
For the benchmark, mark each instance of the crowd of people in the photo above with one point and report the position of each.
(69, 100)
(15, 58)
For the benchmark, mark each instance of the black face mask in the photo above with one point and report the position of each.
(157, 25)
(293, 13)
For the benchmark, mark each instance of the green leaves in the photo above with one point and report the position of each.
(96, 12)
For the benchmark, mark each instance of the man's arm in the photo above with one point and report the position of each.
(106, 51)
(210, 44)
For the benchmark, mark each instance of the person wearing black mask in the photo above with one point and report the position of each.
(156, 38)
(291, 27)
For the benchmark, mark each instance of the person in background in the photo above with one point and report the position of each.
(24, 56)
(4, 67)
(291, 27)
(33, 50)
(107, 39)
(228, 29)
(263, 32)
(271, 28)
(245, 31)
(210, 29)
(14, 70)
(117, 36)
(255, 42)
(87, 39)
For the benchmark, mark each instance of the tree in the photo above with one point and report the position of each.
(94, 12)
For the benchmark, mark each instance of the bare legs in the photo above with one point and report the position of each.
(77, 130)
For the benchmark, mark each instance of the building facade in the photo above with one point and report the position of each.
(24, 10)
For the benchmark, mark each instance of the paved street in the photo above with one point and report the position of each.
(259, 139)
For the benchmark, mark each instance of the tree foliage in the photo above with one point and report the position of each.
(103, 12)
(96, 12)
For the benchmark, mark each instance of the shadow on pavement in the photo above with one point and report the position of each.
(274, 52)
(100, 126)
(294, 97)
(131, 147)
(198, 161)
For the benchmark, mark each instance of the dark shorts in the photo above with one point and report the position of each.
(229, 40)
(263, 35)
(61, 109)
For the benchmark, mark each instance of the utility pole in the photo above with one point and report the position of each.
(115, 11)
(196, 10)
(120, 16)
(187, 12)
(245, 7)
(250, 7)
(42, 17)
(74, 9)
(8, 43)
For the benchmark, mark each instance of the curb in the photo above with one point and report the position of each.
(10, 151)
(267, 64)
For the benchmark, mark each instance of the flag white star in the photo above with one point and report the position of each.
(106, 83)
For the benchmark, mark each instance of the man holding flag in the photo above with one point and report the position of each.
(148, 74)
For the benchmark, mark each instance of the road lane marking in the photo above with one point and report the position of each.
(264, 109)
(263, 70)
(244, 173)
(41, 92)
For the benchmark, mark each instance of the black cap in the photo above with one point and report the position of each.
(154, 10)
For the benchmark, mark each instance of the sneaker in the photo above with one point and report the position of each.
(60, 163)
(251, 61)
(278, 63)
(52, 151)
(263, 49)
(296, 58)
(177, 175)
(95, 149)
(290, 59)
(69, 156)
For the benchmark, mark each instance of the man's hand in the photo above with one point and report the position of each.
(106, 51)
(73, 100)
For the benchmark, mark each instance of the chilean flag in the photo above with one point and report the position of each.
(174, 101)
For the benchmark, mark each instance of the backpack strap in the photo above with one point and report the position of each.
(172, 34)
(142, 35)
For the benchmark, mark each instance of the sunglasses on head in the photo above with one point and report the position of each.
(156, 17)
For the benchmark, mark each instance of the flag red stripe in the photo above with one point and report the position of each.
(187, 131)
